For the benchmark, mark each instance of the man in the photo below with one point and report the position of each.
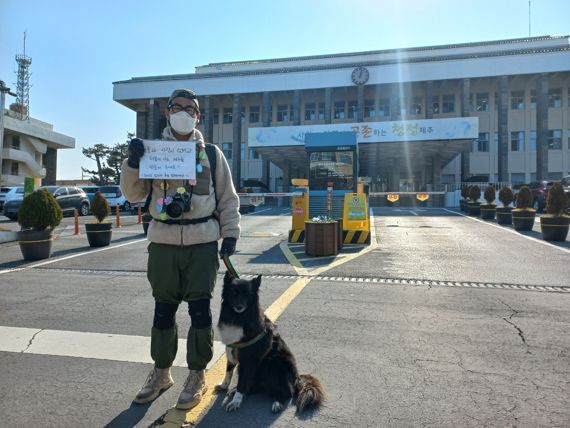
(189, 217)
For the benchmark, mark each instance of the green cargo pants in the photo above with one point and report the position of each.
(179, 274)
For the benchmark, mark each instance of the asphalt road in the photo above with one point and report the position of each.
(445, 321)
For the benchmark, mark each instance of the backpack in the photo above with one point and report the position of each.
(211, 153)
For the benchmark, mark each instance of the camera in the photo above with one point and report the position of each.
(180, 204)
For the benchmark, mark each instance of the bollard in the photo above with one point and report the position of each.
(118, 211)
(140, 215)
(76, 215)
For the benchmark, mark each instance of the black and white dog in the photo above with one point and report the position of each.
(264, 362)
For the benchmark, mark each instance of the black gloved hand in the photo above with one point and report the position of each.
(228, 247)
(135, 152)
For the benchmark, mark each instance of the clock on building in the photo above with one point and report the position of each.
(360, 75)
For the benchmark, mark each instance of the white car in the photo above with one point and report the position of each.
(8, 193)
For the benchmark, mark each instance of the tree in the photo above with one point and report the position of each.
(109, 161)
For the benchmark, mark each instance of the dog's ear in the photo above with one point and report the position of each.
(228, 277)
(256, 282)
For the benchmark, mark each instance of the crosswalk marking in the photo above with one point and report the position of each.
(100, 346)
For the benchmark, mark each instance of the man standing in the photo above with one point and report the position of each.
(189, 217)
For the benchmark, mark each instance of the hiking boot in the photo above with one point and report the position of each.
(194, 389)
(158, 380)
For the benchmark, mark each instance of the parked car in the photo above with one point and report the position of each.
(7, 193)
(115, 197)
(90, 192)
(68, 198)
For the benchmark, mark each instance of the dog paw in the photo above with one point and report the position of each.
(235, 404)
(276, 407)
(221, 387)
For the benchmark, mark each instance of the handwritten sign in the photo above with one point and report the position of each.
(168, 160)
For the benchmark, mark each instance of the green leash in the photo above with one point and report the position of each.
(229, 266)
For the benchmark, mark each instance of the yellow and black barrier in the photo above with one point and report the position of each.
(296, 235)
(356, 236)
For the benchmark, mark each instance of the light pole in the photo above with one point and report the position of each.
(3, 91)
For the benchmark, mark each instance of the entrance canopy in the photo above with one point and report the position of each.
(412, 143)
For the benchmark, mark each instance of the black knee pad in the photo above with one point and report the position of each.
(164, 315)
(200, 313)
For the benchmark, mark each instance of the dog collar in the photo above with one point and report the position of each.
(242, 344)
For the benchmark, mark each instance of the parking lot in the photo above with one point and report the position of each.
(445, 320)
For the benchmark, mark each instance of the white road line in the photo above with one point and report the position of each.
(261, 211)
(99, 346)
(530, 238)
(59, 259)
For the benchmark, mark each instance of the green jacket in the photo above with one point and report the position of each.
(203, 201)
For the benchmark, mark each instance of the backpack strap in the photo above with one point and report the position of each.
(211, 152)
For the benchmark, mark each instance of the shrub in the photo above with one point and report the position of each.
(557, 201)
(489, 194)
(506, 196)
(100, 207)
(474, 193)
(465, 192)
(39, 210)
(524, 198)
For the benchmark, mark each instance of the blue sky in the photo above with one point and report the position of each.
(79, 48)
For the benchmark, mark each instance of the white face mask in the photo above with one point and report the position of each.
(182, 122)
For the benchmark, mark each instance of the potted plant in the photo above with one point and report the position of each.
(39, 214)
(465, 195)
(474, 204)
(523, 214)
(504, 215)
(488, 210)
(99, 233)
(554, 224)
(321, 236)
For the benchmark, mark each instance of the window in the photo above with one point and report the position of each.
(310, 111)
(254, 114)
(533, 141)
(16, 142)
(416, 105)
(517, 100)
(517, 141)
(517, 178)
(216, 113)
(496, 101)
(496, 141)
(435, 104)
(555, 139)
(401, 107)
(321, 111)
(369, 108)
(533, 99)
(384, 107)
(227, 149)
(483, 142)
(228, 115)
(242, 151)
(282, 113)
(242, 115)
(448, 104)
(74, 191)
(253, 154)
(555, 98)
(352, 110)
(482, 101)
(339, 112)
(15, 169)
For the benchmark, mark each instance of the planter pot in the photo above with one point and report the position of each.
(523, 219)
(554, 228)
(35, 245)
(488, 211)
(504, 215)
(99, 234)
(146, 218)
(474, 208)
(463, 205)
(340, 234)
(321, 239)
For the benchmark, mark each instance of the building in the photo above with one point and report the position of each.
(424, 117)
(29, 149)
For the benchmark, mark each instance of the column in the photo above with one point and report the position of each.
(236, 142)
(503, 119)
(428, 86)
(265, 168)
(360, 103)
(395, 102)
(296, 108)
(395, 176)
(542, 127)
(436, 171)
(141, 124)
(209, 123)
(266, 109)
(328, 105)
(465, 112)
(153, 118)
(50, 162)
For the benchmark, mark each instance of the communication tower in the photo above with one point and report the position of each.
(22, 106)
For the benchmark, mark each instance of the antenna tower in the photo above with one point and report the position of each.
(23, 84)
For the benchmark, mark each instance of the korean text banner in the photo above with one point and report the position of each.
(168, 160)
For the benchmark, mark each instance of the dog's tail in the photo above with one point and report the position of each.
(310, 392)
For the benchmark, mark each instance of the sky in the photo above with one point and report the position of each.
(80, 47)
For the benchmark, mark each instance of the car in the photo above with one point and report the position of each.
(69, 198)
(114, 196)
(539, 191)
(90, 192)
(7, 193)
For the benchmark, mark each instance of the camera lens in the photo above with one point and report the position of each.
(174, 209)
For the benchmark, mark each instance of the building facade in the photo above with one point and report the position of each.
(513, 95)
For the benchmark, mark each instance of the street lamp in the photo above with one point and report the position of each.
(3, 91)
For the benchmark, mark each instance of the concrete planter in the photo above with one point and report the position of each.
(99, 234)
(504, 215)
(488, 211)
(554, 228)
(523, 219)
(35, 245)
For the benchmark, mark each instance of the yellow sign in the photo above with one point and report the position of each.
(422, 197)
(355, 216)
(299, 211)
(393, 197)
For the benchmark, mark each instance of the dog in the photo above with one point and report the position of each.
(264, 362)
